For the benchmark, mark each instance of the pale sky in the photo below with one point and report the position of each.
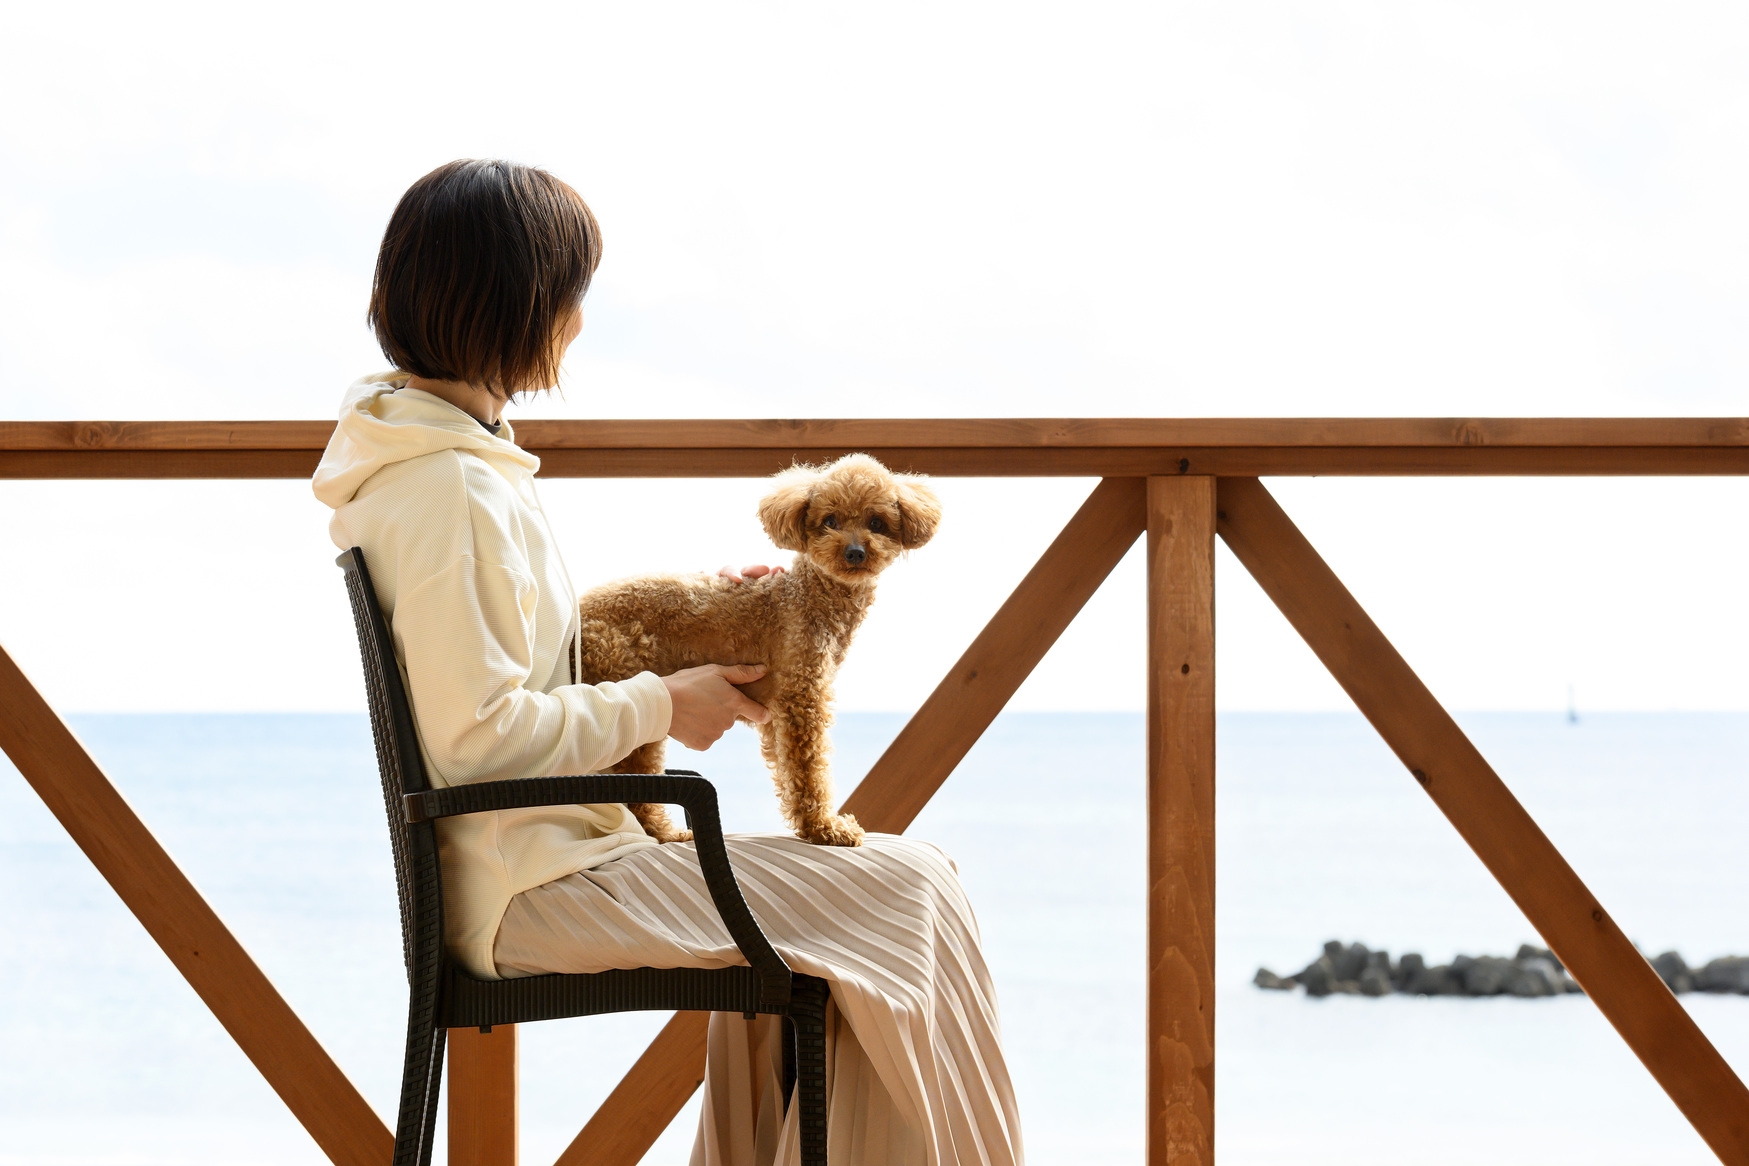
(947, 209)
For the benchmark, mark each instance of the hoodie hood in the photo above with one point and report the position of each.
(383, 422)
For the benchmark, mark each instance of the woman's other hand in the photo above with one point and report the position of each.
(706, 702)
(756, 571)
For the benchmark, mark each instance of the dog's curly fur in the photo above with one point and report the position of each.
(847, 522)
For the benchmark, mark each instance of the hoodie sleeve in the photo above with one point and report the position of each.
(465, 637)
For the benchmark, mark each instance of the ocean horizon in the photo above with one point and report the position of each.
(277, 818)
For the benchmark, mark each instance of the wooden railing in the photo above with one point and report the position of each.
(1077, 447)
(1182, 483)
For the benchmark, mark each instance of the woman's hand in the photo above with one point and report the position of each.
(706, 702)
(745, 573)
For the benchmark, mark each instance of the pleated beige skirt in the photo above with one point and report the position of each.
(915, 1072)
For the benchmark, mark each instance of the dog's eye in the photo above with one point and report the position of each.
(877, 526)
(831, 522)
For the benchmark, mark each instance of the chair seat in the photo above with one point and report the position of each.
(469, 1002)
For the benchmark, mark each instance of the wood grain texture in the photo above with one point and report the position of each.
(1181, 821)
(209, 957)
(1077, 447)
(903, 780)
(1249, 461)
(640, 1107)
(482, 1096)
(987, 674)
(1134, 432)
(1474, 799)
(949, 462)
(930, 432)
(98, 436)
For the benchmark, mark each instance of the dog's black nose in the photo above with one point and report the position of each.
(854, 555)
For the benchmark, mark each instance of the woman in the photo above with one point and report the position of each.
(478, 293)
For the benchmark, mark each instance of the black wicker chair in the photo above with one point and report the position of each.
(442, 996)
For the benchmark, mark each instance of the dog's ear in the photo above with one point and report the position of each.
(784, 511)
(919, 511)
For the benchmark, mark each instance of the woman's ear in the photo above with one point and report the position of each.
(784, 511)
(919, 512)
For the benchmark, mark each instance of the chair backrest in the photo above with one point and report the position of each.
(401, 768)
(417, 877)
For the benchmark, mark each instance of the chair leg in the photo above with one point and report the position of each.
(421, 1078)
(808, 1016)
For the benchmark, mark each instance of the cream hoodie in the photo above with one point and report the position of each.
(484, 619)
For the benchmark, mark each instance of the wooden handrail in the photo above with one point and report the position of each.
(947, 432)
(1076, 447)
(120, 436)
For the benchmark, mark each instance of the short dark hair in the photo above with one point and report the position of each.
(481, 265)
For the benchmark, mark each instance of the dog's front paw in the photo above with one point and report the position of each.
(676, 836)
(837, 830)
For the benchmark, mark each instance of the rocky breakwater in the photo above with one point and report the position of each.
(1356, 970)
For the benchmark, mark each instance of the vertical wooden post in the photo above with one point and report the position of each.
(1181, 820)
(482, 1096)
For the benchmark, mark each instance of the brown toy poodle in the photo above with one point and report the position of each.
(847, 522)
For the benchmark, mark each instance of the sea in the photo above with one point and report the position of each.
(107, 1057)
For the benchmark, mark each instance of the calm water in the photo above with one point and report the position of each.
(107, 1057)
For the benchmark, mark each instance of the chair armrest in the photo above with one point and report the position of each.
(681, 787)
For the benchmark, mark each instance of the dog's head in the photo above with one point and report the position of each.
(851, 519)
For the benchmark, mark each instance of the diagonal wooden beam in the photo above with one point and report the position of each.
(203, 949)
(902, 781)
(1474, 799)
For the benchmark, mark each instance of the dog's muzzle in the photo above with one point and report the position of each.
(855, 555)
